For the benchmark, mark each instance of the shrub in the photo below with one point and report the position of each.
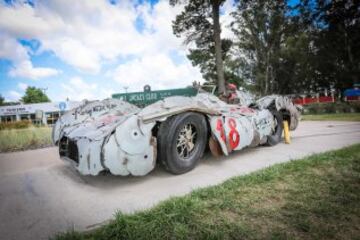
(23, 139)
(15, 125)
(337, 107)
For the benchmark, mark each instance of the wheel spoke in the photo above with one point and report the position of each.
(182, 149)
(186, 140)
(193, 135)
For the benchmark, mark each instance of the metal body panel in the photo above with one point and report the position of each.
(115, 136)
(282, 103)
(238, 127)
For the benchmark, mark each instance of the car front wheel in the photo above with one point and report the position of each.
(181, 141)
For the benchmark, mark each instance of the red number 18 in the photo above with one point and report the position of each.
(234, 136)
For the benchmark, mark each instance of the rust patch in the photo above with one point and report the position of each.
(215, 147)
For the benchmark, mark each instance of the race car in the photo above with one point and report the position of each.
(117, 137)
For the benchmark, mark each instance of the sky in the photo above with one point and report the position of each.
(90, 49)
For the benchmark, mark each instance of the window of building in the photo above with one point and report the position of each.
(52, 117)
(25, 117)
(8, 118)
(33, 119)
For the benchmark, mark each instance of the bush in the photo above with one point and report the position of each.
(337, 107)
(15, 125)
(23, 139)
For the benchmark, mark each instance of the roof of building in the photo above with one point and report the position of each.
(32, 108)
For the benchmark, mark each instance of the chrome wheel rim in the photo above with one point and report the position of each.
(186, 140)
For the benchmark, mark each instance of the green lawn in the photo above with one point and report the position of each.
(333, 117)
(314, 198)
(22, 139)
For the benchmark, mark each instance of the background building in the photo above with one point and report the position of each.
(45, 113)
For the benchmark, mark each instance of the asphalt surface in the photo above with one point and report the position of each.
(40, 195)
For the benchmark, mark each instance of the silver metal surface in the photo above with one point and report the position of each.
(116, 136)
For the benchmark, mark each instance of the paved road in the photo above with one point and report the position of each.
(40, 195)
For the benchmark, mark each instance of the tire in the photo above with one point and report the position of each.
(176, 157)
(276, 137)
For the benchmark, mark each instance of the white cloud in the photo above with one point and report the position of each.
(155, 65)
(22, 86)
(22, 20)
(77, 89)
(12, 50)
(84, 33)
(25, 69)
(151, 68)
(13, 96)
(81, 33)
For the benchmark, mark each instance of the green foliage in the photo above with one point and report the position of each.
(15, 125)
(334, 30)
(195, 25)
(337, 107)
(314, 198)
(352, 117)
(305, 48)
(260, 28)
(204, 58)
(34, 95)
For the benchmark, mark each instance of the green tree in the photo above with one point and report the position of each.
(295, 70)
(336, 40)
(194, 24)
(34, 95)
(321, 48)
(204, 58)
(259, 26)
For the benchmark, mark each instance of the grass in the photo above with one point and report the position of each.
(333, 117)
(22, 139)
(314, 198)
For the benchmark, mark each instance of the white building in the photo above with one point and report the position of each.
(46, 113)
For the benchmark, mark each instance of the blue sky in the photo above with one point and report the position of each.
(90, 49)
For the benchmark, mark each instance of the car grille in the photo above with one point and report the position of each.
(69, 149)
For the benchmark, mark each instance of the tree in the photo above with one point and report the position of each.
(2, 100)
(194, 24)
(34, 95)
(205, 59)
(321, 47)
(337, 41)
(260, 26)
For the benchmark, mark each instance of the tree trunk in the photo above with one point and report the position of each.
(267, 79)
(218, 49)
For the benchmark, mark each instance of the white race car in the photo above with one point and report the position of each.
(116, 136)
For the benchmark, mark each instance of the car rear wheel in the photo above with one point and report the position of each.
(275, 138)
(181, 141)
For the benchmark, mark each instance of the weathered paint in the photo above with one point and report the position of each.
(112, 135)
